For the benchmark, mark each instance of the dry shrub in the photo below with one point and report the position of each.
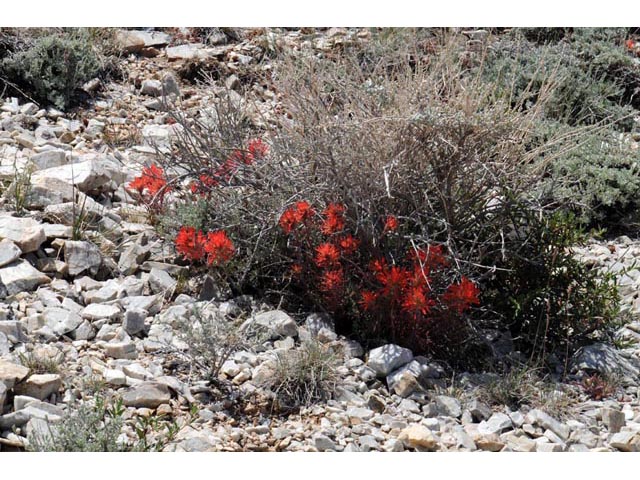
(412, 133)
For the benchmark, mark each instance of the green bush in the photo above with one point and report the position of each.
(587, 76)
(596, 176)
(51, 68)
(549, 300)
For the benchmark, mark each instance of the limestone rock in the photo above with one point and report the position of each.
(11, 373)
(383, 360)
(20, 276)
(26, 233)
(40, 386)
(418, 436)
(9, 252)
(81, 257)
(147, 395)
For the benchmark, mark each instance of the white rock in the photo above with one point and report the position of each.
(20, 276)
(9, 252)
(26, 233)
(383, 360)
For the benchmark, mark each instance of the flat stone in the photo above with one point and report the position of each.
(98, 311)
(603, 359)
(479, 411)
(383, 360)
(519, 443)
(40, 386)
(20, 276)
(114, 377)
(14, 330)
(49, 159)
(125, 350)
(9, 252)
(92, 175)
(147, 395)
(26, 233)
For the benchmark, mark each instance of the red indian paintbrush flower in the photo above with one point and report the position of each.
(219, 247)
(333, 218)
(460, 296)
(152, 180)
(295, 215)
(190, 243)
(327, 255)
(348, 244)
(416, 301)
(332, 281)
(390, 224)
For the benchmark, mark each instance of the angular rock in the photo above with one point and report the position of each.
(278, 323)
(26, 233)
(613, 419)
(317, 321)
(147, 395)
(626, 441)
(418, 436)
(40, 386)
(9, 252)
(98, 311)
(133, 322)
(3, 395)
(448, 406)
(11, 373)
(94, 175)
(126, 350)
(81, 257)
(61, 321)
(20, 276)
(160, 281)
(383, 360)
(538, 417)
(497, 423)
(49, 159)
(604, 359)
(479, 411)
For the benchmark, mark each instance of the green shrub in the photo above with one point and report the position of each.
(550, 301)
(587, 77)
(596, 176)
(51, 68)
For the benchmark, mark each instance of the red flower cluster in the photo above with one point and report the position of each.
(333, 219)
(256, 150)
(215, 247)
(460, 296)
(294, 216)
(390, 224)
(150, 182)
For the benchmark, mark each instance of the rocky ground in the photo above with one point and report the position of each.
(89, 295)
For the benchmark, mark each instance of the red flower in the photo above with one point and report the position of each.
(296, 269)
(378, 265)
(348, 244)
(334, 219)
(393, 281)
(219, 247)
(416, 301)
(258, 149)
(190, 244)
(630, 44)
(368, 300)
(390, 224)
(294, 216)
(460, 296)
(327, 255)
(430, 259)
(332, 281)
(152, 180)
